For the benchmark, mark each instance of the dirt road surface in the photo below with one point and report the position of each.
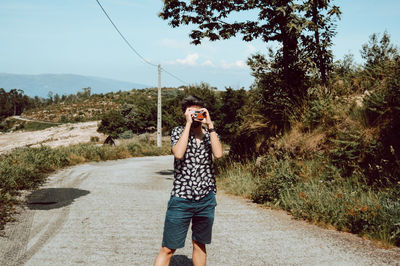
(61, 135)
(112, 213)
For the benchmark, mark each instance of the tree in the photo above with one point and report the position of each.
(277, 21)
(143, 117)
(57, 98)
(229, 112)
(50, 95)
(113, 123)
(4, 104)
(377, 53)
(87, 92)
(283, 21)
(321, 17)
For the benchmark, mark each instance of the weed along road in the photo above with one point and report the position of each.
(112, 213)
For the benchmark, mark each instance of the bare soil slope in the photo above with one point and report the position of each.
(62, 135)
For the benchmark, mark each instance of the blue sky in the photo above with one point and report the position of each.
(74, 36)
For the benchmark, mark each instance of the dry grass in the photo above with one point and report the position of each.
(301, 143)
(90, 109)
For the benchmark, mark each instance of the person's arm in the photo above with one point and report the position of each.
(179, 149)
(216, 145)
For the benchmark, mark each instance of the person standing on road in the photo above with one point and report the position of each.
(193, 194)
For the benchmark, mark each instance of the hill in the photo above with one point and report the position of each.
(40, 85)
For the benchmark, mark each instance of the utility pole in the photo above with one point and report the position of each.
(159, 135)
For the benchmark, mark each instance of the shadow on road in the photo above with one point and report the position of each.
(180, 260)
(166, 172)
(53, 198)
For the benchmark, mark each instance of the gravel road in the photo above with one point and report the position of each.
(112, 213)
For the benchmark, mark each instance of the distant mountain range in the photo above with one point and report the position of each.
(40, 85)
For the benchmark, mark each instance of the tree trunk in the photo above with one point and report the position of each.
(109, 141)
(292, 76)
(320, 60)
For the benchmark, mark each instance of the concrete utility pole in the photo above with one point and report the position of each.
(159, 135)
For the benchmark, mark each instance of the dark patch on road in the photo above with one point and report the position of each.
(166, 172)
(53, 198)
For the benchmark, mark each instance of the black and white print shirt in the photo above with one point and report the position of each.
(194, 173)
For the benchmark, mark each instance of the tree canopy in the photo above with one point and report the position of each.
(303, 28)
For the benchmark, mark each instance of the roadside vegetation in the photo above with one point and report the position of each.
(335, 159)
(28, 168)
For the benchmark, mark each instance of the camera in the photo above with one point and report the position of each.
(198, 115)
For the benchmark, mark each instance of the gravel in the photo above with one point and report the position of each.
(112, 213)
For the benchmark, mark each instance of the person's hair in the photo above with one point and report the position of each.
(190, 101)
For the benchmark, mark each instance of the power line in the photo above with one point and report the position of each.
(172, 75)
(133, 49)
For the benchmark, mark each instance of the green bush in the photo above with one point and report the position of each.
(346, 205)
(320, 110)
(276, 176)
(128, 134)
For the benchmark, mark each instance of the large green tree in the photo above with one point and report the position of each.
(276, 21)
(283, 21)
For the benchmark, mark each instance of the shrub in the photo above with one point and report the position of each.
(278, 175)
(127, 134)
(346, 205)
(94, 139)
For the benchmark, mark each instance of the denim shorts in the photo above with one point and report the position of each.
(180, 212)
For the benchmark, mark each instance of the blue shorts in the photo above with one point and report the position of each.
(180, 212)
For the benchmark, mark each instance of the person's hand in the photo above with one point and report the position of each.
(207, 120)
(188, 115)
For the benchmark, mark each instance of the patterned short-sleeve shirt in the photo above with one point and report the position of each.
(194, 173)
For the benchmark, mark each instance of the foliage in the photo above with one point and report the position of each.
(378, 52)
(13, 102)
(287, 22)
(229, 113)
(336, 161)
(112, 124)
(321, 25)
(142, 117)
(347, 206)
(274, 176)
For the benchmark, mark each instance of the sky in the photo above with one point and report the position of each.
(75, 37)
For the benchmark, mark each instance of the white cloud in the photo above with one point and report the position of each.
(236, 64)
(189, 60)
(208, 63)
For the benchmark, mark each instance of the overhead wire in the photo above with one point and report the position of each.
(133, 49)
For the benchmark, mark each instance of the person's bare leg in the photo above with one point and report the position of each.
(199, 256)
(164, 257)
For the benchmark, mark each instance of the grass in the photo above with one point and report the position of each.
(347, 206)
(317, 194)
(28, 168)
(17, 124)
(237, 180)
(34, 126)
